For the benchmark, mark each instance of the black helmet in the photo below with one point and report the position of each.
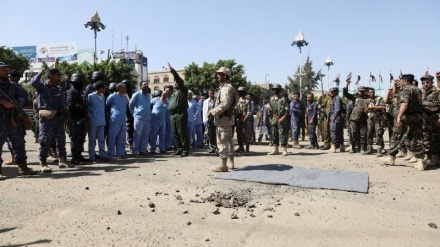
(157, 93)
(112, 86)
(77, 77)
(98, 76)
(241, 89)
(126, 82)
(277, 86)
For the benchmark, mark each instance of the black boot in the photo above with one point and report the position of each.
(178, 152)
(240, 149)
(353, 148)
(184, 154)
(247, 148)
(369, 150)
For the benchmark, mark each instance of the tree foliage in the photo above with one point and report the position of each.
(201, 78)
(16, 62)
(309, 78)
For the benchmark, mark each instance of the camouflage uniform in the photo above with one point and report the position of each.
(280, 107)
(324, 122)
(431, 114)
(379, 122)
(224, 119)
(244, 134)
(411, 122)
(358, 121)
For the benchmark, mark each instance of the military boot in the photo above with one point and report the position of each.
(420, 165)
(379, 152)
(43, 167)
(222, 167)
(389, 160)
(325, 147)
(413, 159)
(342, 148)
(363, 149)
(408, 156)
(275, 151)
(178, 152)
(353, 148)
(24, 170)
(239, 149)
(332, 149)
(368, 150)
(296, 145)
(400, 154)
(11, 161)
(231, 163)
(62, 163)
(285, 151)
(247, 148)
(2, 177)
(434, 161)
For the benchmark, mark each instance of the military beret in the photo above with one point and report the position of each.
(427, 77)
(333, 89)
(361, 88)
(407, 77)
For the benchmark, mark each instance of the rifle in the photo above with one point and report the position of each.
(16, 112)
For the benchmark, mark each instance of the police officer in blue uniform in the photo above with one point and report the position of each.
(10, 97)
(52, 108)
(335, 120)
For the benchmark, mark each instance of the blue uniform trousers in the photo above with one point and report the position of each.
(49, 129)
(141, 135)
(116, 139)
(157, 134)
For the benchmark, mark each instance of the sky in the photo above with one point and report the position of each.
(359, 35)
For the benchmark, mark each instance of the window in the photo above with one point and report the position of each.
(166, 79)
(156, 79)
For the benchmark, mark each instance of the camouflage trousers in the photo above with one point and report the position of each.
(376, 128)
(324, 128)
(225, 143)
(431, 135)
(244, 134)
(280, 135)
(411, 130)
(358, 132)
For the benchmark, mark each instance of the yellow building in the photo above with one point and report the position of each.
(160, 79)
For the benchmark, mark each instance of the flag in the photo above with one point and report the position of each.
(380, 78)
(427, 71)
(337, 80)
(401, 72)
(358, 79)
(391, 77)
(122, 50)
(373, 79)
(102, 51)
(348, 77)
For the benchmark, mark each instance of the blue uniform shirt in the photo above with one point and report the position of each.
(336, 108)
(96, 109)
(296, 109)
(49, 97)
(192, 108)
(160, 109)
(312, 111)
(118, 108)
(140, 106)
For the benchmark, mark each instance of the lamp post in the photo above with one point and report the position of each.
(300, 42)
(96, 25)
(328, 63)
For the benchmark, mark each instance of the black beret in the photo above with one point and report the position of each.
(407, 77)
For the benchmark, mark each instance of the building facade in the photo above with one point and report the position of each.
(160, 79)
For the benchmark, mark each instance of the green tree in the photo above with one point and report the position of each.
(199, 79)
(309, 79)
(16, 62)
(256, 91)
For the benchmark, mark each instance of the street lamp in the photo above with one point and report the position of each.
(300, 42)
(328, 63)
(96, 25)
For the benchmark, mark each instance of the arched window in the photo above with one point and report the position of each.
(166, 79)
(156, 79)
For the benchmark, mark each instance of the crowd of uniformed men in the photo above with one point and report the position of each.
(175, 119)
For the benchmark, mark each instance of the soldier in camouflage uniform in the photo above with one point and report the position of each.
(358, 119)
(431, 120)
(224, 119)
(324, 109)
(376, 108)
(278, 111)
(408, 122)
(10, 97)
(243, 114)
(52, 108)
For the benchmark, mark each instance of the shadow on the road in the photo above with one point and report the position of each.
(307, 154)
(42, 241)
(266, 167)
(7, 229)
(107, 168)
